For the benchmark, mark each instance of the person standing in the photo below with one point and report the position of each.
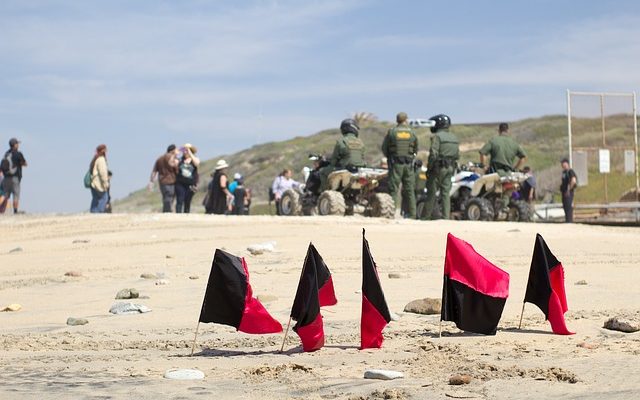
(219, 196)
(528, 190)
(11, 165)
(280, 184)
(503, 150)
(241, 198)
(567, 187)
(443, 160)
(187, 178)
(166, 170)
(99, 180)
(400, 146)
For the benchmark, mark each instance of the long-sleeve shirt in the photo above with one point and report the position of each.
(100, 175)
(280, 184)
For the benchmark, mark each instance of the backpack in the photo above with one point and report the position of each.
(87, 180)
(8, 169)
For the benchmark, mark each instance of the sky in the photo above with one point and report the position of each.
(226, 75)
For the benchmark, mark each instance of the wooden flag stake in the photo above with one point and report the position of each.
(285, 335)
(193, 348)
(521, 314)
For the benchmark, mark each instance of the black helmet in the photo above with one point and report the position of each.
(349, 125)
(442, 122)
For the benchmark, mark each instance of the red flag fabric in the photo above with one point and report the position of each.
(229, 300)
(306, 305)
(545, 287)
(474, 290)
(375, 313)
(326, 292)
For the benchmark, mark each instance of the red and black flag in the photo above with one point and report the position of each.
(229, 298)
(375, 313)
(546, 286)
(315, 289)
(474, 290)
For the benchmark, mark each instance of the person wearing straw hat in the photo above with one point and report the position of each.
(187, 178)
(219, 195)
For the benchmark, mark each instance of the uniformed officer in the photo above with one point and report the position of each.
(348, 152)
(503, 151)
(443, 159)
(400, 147)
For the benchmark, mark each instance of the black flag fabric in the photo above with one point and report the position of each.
(545, 287)
(306, 305)
(229, 300)
(375, 313)
(474, 290)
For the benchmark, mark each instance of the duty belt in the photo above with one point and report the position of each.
(402, 160)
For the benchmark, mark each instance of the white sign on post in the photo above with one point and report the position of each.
(629, 162)
(605, 163)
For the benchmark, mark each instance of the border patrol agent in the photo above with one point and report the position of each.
(348, 152)
(443, 160)
(503, 150)
(400, 147)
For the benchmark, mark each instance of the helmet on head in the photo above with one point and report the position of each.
(349, 125)
(441, 122)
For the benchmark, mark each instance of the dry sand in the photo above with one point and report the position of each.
(126, 356)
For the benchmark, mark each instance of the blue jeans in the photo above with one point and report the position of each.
(168, 195)
(98, 201)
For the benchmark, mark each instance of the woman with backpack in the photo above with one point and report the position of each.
(187, 179)
(99, 180)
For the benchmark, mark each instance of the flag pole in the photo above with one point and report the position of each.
(285, 335)
(193, 348)
(521, 314)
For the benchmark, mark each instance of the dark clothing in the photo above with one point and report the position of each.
(503, 151)
(217, 197)
(348, 152)
(528, 186)
(168, 194)
(187, 174)
(239, 196)
(166, 172)
(184, 195)
(567, 194)
(11, 186)
(17, 159)
(443, 159)
(400, 146)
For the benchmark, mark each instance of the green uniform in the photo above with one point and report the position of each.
(443, 158)
(347, 153)
(400, 146)
(503, 151)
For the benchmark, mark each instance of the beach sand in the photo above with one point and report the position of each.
(126, 356)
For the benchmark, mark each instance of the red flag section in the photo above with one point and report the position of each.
(229, 300)
(474, 290)
(545, 287)
(375, 313)
(326, 293)
(306, 305)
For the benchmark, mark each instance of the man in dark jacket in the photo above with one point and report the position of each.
(11, 165)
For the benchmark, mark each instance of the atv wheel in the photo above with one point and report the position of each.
(478, 209)
(519, 211)
(382, 205)
(290, 203)
(331, 203)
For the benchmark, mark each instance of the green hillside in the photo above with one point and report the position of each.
(544, 139)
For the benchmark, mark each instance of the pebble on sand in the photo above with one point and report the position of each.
(460, 379)
(127, 294)
(77, 321)
(382, 374)
(397, 275)
(148, 276)
(266, 298)
(621, 325)
(12, 307)
(16, 250)
(184, 374)
(426, 306)
(73, 274)
(194, 277)
(581, 282)
(162, 282)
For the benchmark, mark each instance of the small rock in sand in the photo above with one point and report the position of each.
(382, 374)
(581, 282)
(162, 282)
(77, 321)
(621, 325)
(426, 306)
(184, 374)
(168, 256)
(257, 249)
(73, 274)
(128, 308)
(127, 294)
(394, 316)
(80, 241)
(266, 298)
(588, 346)
(194, 277)
(148, 276)
(460, 379)
(396, 275)
(16, 250)
(12, 307)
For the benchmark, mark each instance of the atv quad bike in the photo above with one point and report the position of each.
(492, 199)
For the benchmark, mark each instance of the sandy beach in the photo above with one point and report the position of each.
(126, 356)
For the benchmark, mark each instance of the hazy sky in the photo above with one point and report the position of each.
(225, 75)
